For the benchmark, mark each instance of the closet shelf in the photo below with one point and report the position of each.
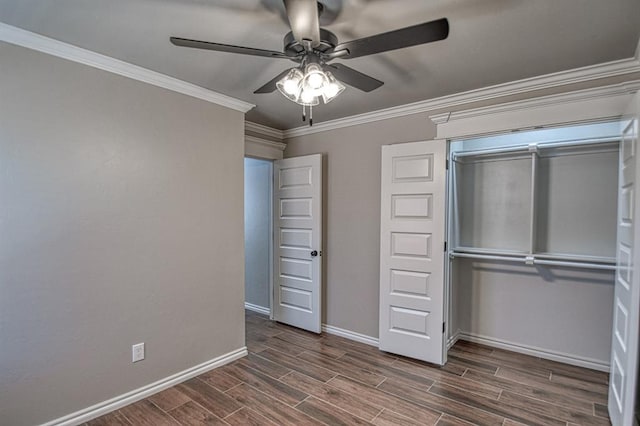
(556, 260)
(597, 144)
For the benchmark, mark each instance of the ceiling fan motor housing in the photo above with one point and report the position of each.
(328, 41)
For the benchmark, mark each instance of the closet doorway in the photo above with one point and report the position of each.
(258, 189)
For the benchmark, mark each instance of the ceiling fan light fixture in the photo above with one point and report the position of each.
(291, 84)
(308, 98)
(314, 77)
(332, 88)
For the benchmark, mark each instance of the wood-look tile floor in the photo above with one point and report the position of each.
(292, 377)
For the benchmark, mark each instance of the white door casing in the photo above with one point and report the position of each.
(626, 302)
(412, 253)
(297, 202)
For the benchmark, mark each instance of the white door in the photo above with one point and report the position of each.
(297, 203)
(626, 302)
(412, 230)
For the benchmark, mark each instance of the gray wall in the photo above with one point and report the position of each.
(257, 227)
(121, 221)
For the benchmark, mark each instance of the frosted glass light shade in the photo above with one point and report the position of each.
(291, 84)
(308, 98)
(314, 78)
(331, 88)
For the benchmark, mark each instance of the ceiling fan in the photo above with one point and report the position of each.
(313, 48)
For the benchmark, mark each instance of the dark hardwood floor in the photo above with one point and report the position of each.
(292, 377)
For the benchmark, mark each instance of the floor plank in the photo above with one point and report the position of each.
(266, 384)
(554, 397)
(247, 417)
(192, 414)
(542, 407)
(219, 380)
(440, 404)
(310, 344)
(487, 362)
(299, 365)
(447, 420)
(145, 413)
(271, 408)
(265, 366)
(345, 400)
(390, 418)
(328, 413)
(338, 366)
(495, 407)
(479, 387)
(424, 414)
(208, 397)
(169, 399)
(586, 393)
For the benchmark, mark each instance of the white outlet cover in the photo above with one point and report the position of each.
(137, 352)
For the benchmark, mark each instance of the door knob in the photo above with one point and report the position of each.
(314, 253)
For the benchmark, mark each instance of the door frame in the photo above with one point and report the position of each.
(268, 160)
(268, 150)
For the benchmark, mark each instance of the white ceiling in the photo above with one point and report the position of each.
(491, 42)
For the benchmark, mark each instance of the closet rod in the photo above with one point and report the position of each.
(542, 145)
(489, 257)
(575, 264)
(533, 261)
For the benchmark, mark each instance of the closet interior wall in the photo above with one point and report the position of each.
(533, 233)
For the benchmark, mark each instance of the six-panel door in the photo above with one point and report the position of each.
(412, 227)
(626, 302)
(297, 241)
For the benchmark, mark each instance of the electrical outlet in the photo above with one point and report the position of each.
(137, 351)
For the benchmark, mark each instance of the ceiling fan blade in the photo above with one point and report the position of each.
(397, 39)
(354, 78)
(197, 44)
(271, 85)
(303, 19)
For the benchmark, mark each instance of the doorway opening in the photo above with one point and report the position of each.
(258, 181)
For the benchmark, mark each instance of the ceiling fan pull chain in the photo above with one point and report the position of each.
(310, 115)
(304, 115)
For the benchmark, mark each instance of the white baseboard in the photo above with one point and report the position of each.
(120, 401)
(351, 335)
(535, 351)
(453, 339)
(258, 309)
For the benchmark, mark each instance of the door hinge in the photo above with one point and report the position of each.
(445, 246)
(447, 164)
(444, 327)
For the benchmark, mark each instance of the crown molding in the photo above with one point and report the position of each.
(555, 99)
(262, 130)
(40, 43)
(257, 147)
(593, 72)
(263, 142)
(597, 103)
